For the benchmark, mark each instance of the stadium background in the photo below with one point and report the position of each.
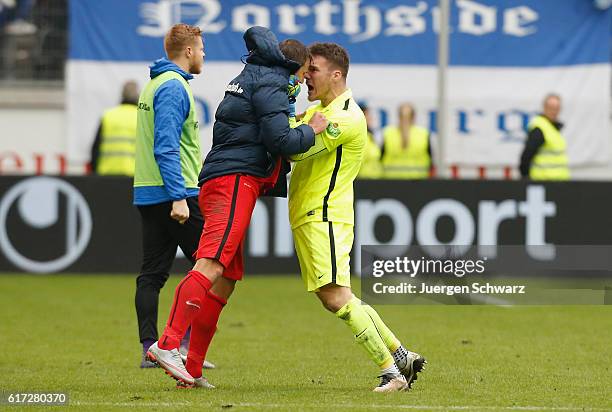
(505, 55)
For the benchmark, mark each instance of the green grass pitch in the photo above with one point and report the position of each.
(277, 349)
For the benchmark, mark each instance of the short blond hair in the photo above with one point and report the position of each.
(178, 37)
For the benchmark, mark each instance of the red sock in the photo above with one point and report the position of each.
(188, 298)
(203, 328)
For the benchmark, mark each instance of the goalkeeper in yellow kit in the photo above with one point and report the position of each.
(321, 215)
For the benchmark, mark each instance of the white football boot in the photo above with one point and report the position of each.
(170, 361)
(198, 383)
(391, 383)
(206, 364)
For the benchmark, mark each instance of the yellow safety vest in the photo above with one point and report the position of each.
(118, 144)
(411, 162)
(371, 168)
(550, 162)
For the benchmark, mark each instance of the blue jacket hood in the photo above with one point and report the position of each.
(263, 49)
(163, 65)
(251, 130)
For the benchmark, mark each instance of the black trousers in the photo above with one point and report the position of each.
(160, 237)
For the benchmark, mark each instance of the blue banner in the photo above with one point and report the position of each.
(506, 33)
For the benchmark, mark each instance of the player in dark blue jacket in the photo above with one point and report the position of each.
(250, 136)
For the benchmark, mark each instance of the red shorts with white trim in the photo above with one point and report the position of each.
(227, 203)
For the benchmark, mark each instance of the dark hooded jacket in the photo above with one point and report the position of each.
(251, 130)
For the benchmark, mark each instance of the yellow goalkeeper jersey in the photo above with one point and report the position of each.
(321, 187)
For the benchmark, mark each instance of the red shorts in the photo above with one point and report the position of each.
(227, 203)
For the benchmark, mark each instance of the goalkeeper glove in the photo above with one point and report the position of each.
(293, 89)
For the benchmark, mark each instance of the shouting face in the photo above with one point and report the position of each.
(320, 77)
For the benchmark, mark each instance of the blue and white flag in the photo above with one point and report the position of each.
(506, 55)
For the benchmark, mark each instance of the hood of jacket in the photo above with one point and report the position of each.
(263, 49)
(163, 65)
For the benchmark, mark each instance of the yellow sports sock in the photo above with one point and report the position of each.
(365, 332)
(385, 333)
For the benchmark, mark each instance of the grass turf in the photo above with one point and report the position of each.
(277, 349)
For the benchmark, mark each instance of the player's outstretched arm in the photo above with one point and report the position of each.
(317, 149)
(272, 110)
(326, 141)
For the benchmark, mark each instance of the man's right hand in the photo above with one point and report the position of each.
(180, 211)
(318, 122)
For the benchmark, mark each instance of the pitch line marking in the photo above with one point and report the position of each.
(343, 406)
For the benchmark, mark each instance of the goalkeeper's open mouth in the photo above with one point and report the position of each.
(310, 88)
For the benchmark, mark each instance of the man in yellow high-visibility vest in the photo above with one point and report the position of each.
(406, 152)
(114, 148)
(544, 156)
(371, 166)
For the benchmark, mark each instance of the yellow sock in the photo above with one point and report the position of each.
(365, 332)
(385, 333)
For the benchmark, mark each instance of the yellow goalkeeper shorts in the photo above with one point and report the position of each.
(323, 249)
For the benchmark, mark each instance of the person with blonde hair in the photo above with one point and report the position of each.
(406, 152)
(168, 160)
